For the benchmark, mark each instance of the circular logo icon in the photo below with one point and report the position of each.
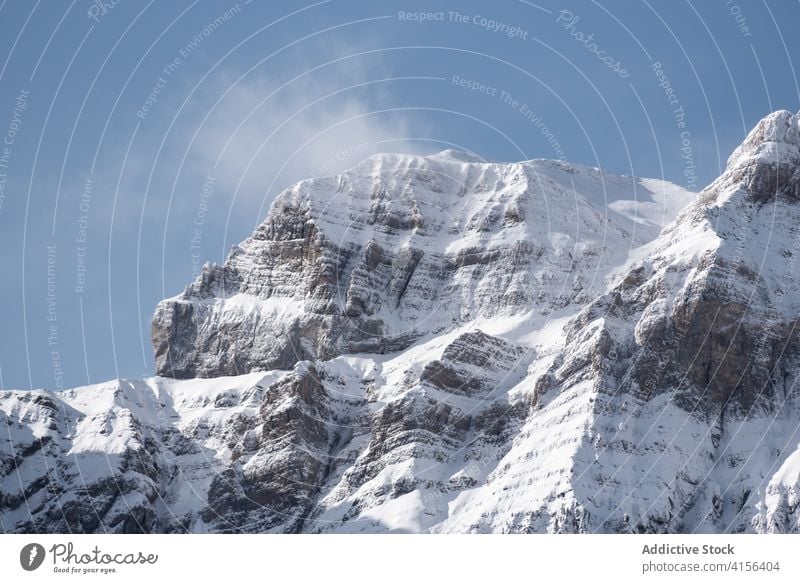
(31, 556)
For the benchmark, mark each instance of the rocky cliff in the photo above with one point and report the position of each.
(440, 344)
(406, 247)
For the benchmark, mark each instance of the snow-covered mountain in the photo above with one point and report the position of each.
(441, 344)
(403, 248)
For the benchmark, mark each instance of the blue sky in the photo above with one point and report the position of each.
(140, 139)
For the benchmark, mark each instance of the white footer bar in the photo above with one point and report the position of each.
(387, 558)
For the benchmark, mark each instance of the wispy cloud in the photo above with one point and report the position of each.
(261, 135)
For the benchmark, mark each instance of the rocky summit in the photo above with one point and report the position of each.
(443, 344)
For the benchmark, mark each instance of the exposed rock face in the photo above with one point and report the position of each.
(766, 164)
(454, 346)
(401, 247)
(704, 330)
(44, 489)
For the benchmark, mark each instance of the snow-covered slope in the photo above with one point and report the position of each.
(404, 247)
(450, 345)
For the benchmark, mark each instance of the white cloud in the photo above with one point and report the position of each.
(261, 137)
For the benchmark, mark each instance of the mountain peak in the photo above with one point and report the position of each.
(431, 344)
(775, 139)
(402, 246)
(767, 163)
(459, 156)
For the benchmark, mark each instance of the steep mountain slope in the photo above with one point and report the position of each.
(403, 247)
(449, 345)
(685, 372)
